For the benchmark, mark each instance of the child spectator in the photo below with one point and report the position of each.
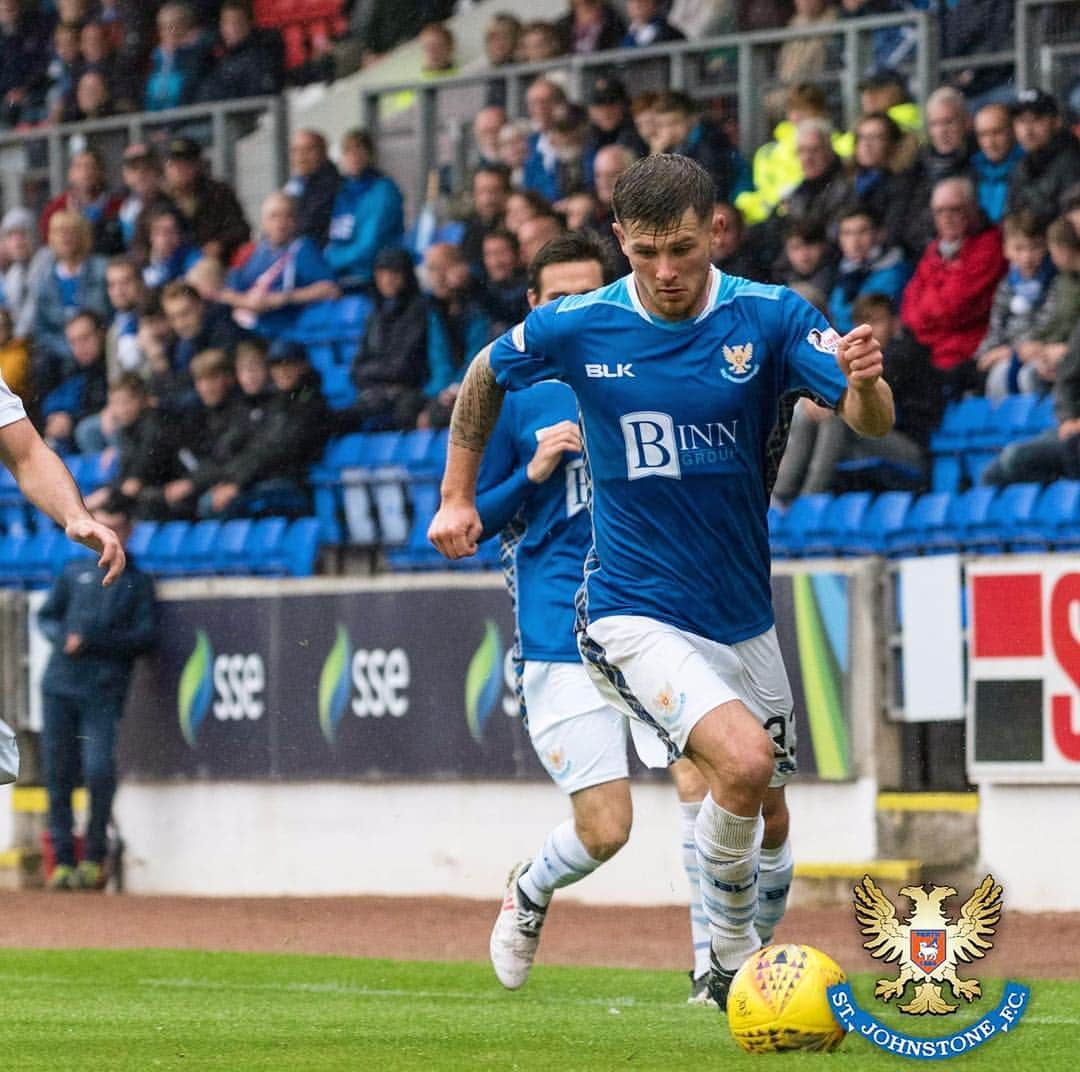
(1047, 347)
(865, 267)
(285, 272)
(648, 26)
(253, 376)
(879, 183)
(170, 255)
(1020, 310)
(180, 61)
(391, 365)
(506, 282)
(18, 241)
(145, 447)
(368, 214)
(806, 258)
(69, 408)
(126, 296)
(14, 357)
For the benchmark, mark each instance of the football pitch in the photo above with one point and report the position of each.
(150, 1009)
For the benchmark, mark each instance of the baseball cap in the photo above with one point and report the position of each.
(282, 350)
(184, 149)
(1036, 101)
(607, 90)
(138, 153)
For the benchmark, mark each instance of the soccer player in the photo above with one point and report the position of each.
(679, 372)
(533, 490)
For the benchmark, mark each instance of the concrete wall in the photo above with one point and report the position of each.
(424, 839)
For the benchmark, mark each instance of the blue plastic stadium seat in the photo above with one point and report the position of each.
(1012, 419)
(337, 386)
(833, 533)
(418, 553)
(926, 516)
(413, 448)
(9, 490)
(1042, 416)
(803, 518)
(961, 422)
(197, 555)
(265, 547)
(1007, 517)
(976, 462)
(778, 532)
(331, 321)
(142, 532)
(884, 516)
(301, 547)
(966, 511)
(945, 472)
(164, 554)
(1054, 520)
(230, 551)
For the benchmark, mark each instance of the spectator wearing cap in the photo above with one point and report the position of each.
(648, 26)
(391, 365)
(996, 158)
(681, 129)
(610, 121)
(88, 195)
(18, 243)
(141, 172)
(249, 61)
(181, 60)
(947, 303)
(285, 272)
(560, 163)
(269, 475)
(210, 208)
(313, 184)
(1051, 161)
(368, 214)
(490, 189)
(590, 26)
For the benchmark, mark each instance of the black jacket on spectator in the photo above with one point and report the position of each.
(22, 56)
(916, 386)
(215, 216)
(978, 26)
(216, 436)
(885, 195)
(712, 149)
(612, 30)
(315, 204)
(287, 441)
(383, 24)
(147, 451)
(506, 303)
(253, 68)
(929, 169)
(822, 199)
(625, 134)
(1040, 178)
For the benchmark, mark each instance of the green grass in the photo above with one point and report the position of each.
(148, 1010)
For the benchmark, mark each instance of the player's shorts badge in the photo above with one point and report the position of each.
(740, 363)
(557, 761)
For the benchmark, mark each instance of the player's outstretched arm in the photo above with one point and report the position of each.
(44, 480)
(456, 528)
(867, 405)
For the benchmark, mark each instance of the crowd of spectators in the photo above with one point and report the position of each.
(151, 323)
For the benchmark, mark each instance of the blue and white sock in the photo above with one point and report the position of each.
(727, 849)
(562, 861)
(775, 870)
(699, 925)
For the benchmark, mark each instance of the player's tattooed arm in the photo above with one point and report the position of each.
(477, 407)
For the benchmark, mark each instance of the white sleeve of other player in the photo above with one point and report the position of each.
(11, 407)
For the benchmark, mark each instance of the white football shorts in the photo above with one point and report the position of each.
(578, 737)
(669, 680)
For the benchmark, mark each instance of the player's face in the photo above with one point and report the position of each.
(573, 277)
(671, 268)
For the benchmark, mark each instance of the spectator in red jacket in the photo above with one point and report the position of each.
(947, 303)
(88, 195)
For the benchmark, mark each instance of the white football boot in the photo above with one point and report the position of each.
(516, 933)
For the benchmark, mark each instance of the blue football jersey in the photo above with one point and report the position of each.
(676, 420)
(544, 528)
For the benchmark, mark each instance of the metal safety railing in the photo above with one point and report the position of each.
(44, 152)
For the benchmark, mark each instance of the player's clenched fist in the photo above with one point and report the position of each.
(455, 530)
(859, 357)
(555, 441)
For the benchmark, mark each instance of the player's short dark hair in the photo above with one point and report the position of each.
(657, 191)
(570, 248)
(867, 304)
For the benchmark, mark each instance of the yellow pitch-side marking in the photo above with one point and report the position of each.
(955, 802)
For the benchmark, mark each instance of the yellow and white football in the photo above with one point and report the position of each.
(778, 1001)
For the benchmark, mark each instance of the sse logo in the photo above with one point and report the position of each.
(231, 686)
(379, 678)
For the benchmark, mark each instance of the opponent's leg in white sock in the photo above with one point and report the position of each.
(562, 861)
(699, 925)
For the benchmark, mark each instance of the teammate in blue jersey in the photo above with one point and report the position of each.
(533, 494)
(680, 374)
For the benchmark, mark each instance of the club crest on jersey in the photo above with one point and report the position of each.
(668, 705)
(740, 363)
(558, 762)
(826, 342)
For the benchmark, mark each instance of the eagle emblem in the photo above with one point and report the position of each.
(739, 358)
(928, 946)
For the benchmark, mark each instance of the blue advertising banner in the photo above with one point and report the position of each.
(399, 683)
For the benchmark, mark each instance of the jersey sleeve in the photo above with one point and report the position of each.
(526, 354)
(11, 407)
(809, 350)
(503, 485)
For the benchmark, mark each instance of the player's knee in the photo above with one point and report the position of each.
(753, 759)
(604, 836)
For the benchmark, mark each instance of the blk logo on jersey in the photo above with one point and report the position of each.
(607, 372)
(657, 446)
